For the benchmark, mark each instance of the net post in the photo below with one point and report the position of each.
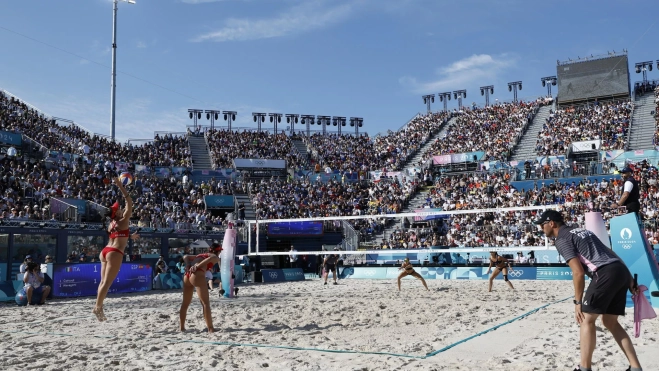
(249, 237)
(256, 235)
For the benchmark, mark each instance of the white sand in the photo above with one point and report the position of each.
(357, 315)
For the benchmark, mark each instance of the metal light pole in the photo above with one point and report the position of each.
(292, 119)
(258, 118)
(324, 121)
(445, 97)
(427, 99)
(514, 86)
(548, 81)
(459, 94)
(644, 67)
(339, 121)
(308, 120)
(357, 122)
(212, 115)
(486, 91)
(229, 116)
(276, 119)
(113, 91)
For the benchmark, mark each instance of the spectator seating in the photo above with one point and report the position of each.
(494, 129)
(607, 121)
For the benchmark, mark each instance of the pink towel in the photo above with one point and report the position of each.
(642, 309)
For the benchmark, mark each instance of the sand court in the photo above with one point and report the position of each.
(357, 325)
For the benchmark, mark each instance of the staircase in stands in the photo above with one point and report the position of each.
(525, 149)
(643, 124)
(201, 157)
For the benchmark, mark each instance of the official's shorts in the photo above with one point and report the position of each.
(607, 292)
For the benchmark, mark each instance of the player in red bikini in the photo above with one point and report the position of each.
(195, 277)
(112, 255)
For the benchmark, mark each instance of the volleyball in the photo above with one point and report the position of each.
(126, 178)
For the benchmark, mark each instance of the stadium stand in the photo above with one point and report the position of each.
(494, 129)
(82, 164)
(608, 122)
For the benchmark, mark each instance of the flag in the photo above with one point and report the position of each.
(642, 309)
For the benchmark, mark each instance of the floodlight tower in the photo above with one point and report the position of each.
(487, 90)
(229, 116)
(459, 94)
(427, 99)
(357, 122)
(644, 67)
(212, 115)
(195, 114)
(308, 120)
(276, 119)
(292, 118)
(113, 86)
(514, 86)
(324, 121)
(339, 121)
(258, 118)
(549, 81)
(445, 97)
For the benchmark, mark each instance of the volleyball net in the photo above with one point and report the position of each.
(429, 233)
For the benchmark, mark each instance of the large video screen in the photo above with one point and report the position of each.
(295, 229)
(72, 280)
(593, 79)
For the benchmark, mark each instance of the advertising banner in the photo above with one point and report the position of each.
(630, 244)
(178, 171)
(142, 170)
(586, 146)
(460, 273)
(441, 160)
(307, 228)
(258, 163)
(225, 202)
(162, 172)
(73, 280)
(11, 138)
(282, 275)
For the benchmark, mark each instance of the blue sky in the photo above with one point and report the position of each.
(368, 58)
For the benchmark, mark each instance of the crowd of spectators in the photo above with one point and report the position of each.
(493, 190)
(608, 122)
(384, 152)
(277, 199)
(495, 130)
(27, 186)
(227, 145)
(656, 115)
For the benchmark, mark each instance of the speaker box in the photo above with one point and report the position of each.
(255, 276)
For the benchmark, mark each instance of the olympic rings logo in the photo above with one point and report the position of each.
(516, 273)
(369, 272)
(273, 275)
(626, 247)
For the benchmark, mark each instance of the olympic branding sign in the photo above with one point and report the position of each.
(516, 273)
(282, 275)
(369, 272)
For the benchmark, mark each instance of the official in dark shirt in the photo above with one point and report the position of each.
(630, 192)
(585, 254)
